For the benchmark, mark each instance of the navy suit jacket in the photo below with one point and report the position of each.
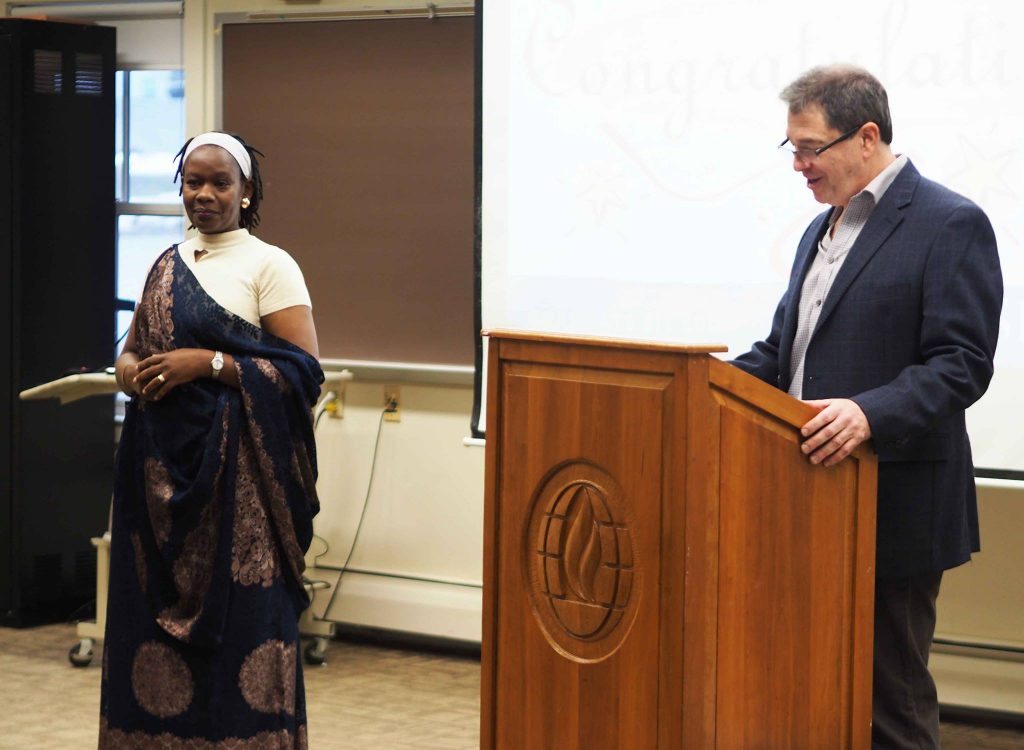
(908, 331)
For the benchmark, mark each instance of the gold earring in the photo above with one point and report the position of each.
(245, 202)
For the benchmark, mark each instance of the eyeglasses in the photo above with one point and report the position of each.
(810, 154)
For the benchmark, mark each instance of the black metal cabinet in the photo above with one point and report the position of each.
(56, 309)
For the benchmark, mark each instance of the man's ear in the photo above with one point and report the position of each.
(870, 137)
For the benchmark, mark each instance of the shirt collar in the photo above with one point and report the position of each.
(877, 187)
(222, 240)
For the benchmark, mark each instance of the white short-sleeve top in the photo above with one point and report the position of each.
(244, 274)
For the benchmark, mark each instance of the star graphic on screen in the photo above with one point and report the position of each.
(984, 175)
(600, 190)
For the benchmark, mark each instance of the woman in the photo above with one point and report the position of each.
(214, 493)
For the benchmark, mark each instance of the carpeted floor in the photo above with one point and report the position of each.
(365, 698)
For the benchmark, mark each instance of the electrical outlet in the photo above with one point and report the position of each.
(392, 403)
(333, 390)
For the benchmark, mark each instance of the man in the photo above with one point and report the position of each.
(889, 328)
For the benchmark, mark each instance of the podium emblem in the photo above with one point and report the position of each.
(581, 562)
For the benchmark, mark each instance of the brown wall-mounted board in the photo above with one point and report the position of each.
(367, 127)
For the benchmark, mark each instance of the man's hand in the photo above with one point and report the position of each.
(839, 427)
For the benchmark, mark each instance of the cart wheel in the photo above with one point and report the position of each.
(80, 654)
(316, 652)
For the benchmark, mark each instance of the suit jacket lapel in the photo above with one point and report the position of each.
(884, 219)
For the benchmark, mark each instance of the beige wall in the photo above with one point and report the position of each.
(984, 600)
(424, 513)
(417, 563)
(982, 603)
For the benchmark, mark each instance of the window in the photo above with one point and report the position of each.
(150, 130)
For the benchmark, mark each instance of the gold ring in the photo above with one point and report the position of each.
(161, 378)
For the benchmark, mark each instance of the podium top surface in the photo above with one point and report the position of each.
(641, 345)
(81, 385)
(73, 387)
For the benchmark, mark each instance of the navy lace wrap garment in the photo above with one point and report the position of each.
(213, 506)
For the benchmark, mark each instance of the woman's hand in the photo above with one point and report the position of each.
(125, 370)
(158, 375)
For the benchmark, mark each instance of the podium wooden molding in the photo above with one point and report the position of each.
(662, 566)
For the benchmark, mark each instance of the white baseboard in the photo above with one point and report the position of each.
(985, 681)
(965, 677)
(441, 610)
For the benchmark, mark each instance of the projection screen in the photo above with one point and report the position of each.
(631, 182)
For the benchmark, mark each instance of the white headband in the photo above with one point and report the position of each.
(228, 143)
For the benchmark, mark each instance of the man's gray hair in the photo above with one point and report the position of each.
(848, 95)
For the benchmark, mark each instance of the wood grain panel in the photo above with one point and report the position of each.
(696, 717)
(786, 598)
(555, 688)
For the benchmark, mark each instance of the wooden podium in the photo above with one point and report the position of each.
(662, 566)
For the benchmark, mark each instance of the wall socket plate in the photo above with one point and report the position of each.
(392, 403)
